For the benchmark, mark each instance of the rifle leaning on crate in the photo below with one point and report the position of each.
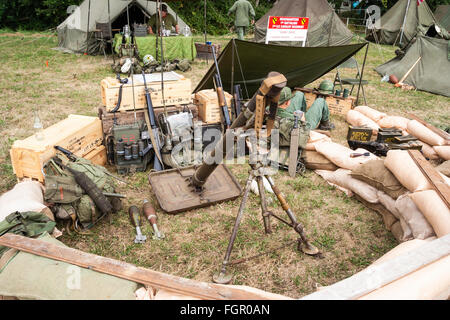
(220, 93)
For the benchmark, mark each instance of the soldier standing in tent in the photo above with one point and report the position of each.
(167, 19)
(243, 10)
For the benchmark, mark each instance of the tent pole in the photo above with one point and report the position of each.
(362, 72)
(110, 32)
(404, 21)
(204, 7)
(87, 29)
(233, 47)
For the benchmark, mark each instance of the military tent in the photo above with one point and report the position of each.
(247, 63)
(406, 16)
(433, 69)
(325, 27)
(442, 15)
(72, 32)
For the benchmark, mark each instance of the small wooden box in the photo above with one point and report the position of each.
(208, 105)
(97, 156)
(204, 50)
(78, 134)
(336, 104)
(175, 92)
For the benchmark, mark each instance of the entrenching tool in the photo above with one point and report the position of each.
(150, 214)
(198, 184)
(136, 221)
(293, 152)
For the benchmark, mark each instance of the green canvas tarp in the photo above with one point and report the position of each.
(391, 24)
(72, 32)
(325, 27)
(431, 73)
(248, 64)
(442, 15)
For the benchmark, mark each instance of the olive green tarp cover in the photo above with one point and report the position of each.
(390, 24)
(442, 15)
(431, 73)
(72, 32)
(253, 61)
(322, 20)
(178, 47)
(28, 276)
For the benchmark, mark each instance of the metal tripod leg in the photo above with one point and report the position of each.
(304, 245)
(265, 213)
(222, 277)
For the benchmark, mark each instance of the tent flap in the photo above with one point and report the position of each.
(253, 61)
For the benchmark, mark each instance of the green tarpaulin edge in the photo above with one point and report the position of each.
(253, 61)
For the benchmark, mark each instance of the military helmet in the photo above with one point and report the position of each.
(285, 95)
(148, 58)
(326, 86)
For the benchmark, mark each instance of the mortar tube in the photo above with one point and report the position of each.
(205, 170)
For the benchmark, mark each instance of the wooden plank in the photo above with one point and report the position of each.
(435, 179)
(128, 271)
(377, 276)
(438, 131)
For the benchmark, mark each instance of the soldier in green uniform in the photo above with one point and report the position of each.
(168, 21)
(243, 10)
(317, 116)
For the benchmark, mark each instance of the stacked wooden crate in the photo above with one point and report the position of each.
(208, 105)
(81, 135)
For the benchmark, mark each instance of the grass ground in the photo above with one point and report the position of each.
(350, 236)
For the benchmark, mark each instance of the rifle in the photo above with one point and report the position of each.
(220, 93)
(381, 148)
(153, 131)
(237, 99)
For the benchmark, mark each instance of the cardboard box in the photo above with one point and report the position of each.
(175, 93)
(78, 134)
(208, 105)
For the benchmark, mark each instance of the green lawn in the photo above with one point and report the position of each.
(349, 235)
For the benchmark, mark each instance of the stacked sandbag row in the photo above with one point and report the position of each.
(434, 146)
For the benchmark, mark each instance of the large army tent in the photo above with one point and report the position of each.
(442, 15)
(325, 27)
(432, 71)
(248, 63)
(406, 16)
(72, 32)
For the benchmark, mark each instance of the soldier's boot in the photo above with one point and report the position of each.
(326, 125)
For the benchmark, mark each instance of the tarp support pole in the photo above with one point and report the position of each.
(87, 29)
(110, 31)
(233, 47)
(362, 72)
(204, 7)
(404, 21)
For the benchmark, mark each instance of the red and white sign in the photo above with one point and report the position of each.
(287, 29)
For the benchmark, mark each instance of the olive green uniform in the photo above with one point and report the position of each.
(243, 10)
(169, 22)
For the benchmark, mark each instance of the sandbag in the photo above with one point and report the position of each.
(314, 160)
(357, 119)
(389, 204)
(434, 210)
(400, 234)
(430, 282)
(429, 152)
(372, 114)
(393, 122)
(443, 152)
(375, 173)
(340, 155)
(316, 137)
(446, 179)
(444, 168)
(327, 176)
(343, 178)
(400, 163)
(388, 218)
(418, 130)
(402, 248)
(25, 196)
(408, 210)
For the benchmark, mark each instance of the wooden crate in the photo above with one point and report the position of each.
(78, 134)
(208, 105)
(175, 92)
(337, 105)
(97, 156)
(204, 51)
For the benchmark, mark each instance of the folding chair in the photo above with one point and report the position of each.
(350, 64)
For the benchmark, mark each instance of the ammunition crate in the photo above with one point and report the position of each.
(78, 134)
(140, 30)
(359, 134)
(336, 104)
(204, 51)
(175, 93)
(97, 156)
(208, 105)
